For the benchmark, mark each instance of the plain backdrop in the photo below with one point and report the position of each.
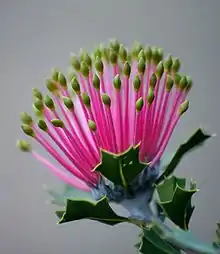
(38, 35)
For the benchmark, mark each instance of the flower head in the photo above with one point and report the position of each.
(112, 100)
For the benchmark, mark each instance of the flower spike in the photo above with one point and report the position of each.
(122, 98)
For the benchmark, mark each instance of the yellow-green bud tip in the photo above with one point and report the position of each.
(49, 102)
(168, 63)
(75, 62)
(127, 69)
(150, 96)
(37, 94)
(96, 82)
(106, 100)
(183, 107)
(62, 79)
(39, 105)
(28, 130)
(137, 83)
(148, 53)
(57, 123)
(117, 82)
(25, 118)
(99, 65)
(153, 80)
(84, 69)
(51, 85)
(141, 65)
(23, 145)
(123, 53)
(169, 83)
(160, 70)
(175, 65)
(42, 125)
(68, 103)
(75, 85)
(139, 104)
(92, 125)
(86, 99)
(54, 74)
(113, 57)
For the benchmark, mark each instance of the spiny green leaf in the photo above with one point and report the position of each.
(121, 169)
(153, 243)
(181, 239)
(99, 211)
(175, 200)
(196, 140)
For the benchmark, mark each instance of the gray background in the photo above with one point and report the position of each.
(38, 35)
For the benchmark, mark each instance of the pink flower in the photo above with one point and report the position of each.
(114, 100)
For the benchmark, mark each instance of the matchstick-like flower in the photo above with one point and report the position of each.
(112, 100)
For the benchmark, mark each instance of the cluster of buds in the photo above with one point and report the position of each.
(112, 100)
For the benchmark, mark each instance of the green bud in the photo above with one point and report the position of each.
(106, 99)
(51, 85)
(141, 65)
(84, 69)
(150, 96)
(54, 74)
(23, 145)
(183, 107)
(88, 60)
(62, 79)
(160, 54)
(137, 47)
(153, 80)
(176, 65)
(57, 123)
(137, 83)
(127, 69)
(189, 83)
(104, 53)
(49, 102)
(169, 83)
(99, 65)
(25, 118)
(42, 125)
(123, 53)
(28, 130)
(183, 83)
(96, 82)
(168, 63)
(155, 55)
(142, 55)
(139, 104)
(39, 105)
(68, 103)
(86, 100)
(92, 125)
(177, 78)
(82, 54)
(75, 62)
(148, 53)
(75, 85)
(115, 45)
(117, 82)
(37, 94)
(159, 70)
(97, 53)
(113, 57)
